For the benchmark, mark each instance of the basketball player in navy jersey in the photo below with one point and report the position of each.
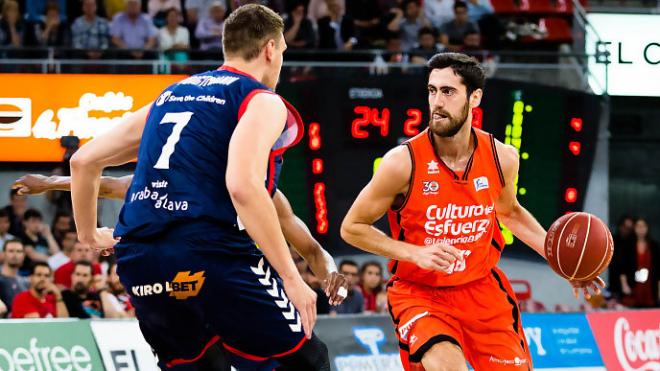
(197, 205)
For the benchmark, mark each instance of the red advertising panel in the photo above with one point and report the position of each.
(628, 341)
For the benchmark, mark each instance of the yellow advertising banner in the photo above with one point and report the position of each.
(36, 110)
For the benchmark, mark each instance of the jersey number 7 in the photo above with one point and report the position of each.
(180, 120)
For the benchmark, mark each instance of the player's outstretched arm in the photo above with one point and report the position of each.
(522, 223)
(390, 180)
(115, 147)
(320, 261)
(509, 211)
(33, 184)
(249, 148)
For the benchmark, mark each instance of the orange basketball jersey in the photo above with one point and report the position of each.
(456, 208)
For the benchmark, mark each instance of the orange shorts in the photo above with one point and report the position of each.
(481, 317)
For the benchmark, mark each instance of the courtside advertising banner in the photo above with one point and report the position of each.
(36, 110)
(628, 340)
(52, 345)
(561, 342)
(122, 346)
(358, 342)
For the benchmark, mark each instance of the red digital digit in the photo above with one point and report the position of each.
(383, 121)
(314, 136)
(410, 127)
(360, 122)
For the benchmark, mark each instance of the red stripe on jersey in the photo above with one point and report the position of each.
(236, 71)
(180, 361)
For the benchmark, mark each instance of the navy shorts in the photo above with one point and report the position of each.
(190, 291)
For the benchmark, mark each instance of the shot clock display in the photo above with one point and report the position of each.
(352, 124)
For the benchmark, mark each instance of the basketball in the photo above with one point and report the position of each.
(579, 246)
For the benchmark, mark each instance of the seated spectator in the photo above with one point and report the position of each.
(438, 12)
(81, 252)
(427, 45)
(91, 31)
(4, 229)
(75, 9)
(120, 300)
(477, 9)
(371, 287)
(298, 29)
(42, 299)
(17, 203)
(452, 33)
(52, 30)
(158, 10)
(36, 9)
(174, 36)
(12, 26)
(62, 223)
(37, 239)
(132, 29)
(317, 9)
(639, 278)
(472, 45)
(11, 283)
(354, 302)
(80, 300)
(66, 248)
(209, 29)
(624, 242)
(336, 30)
(197, 10)
(408, 22)
(366, 18)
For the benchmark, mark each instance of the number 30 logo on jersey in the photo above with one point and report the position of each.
(430, 188)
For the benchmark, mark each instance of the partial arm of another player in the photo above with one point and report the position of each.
(320, 261)
(115, 147)
(249, 148)
(391, 179)
(33, 184)
(521, 222)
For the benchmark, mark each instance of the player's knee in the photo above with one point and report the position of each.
(444, 356)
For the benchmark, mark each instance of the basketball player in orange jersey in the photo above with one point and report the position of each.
(444, 191)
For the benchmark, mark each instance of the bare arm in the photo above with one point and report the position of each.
(249, 148)
(522, 223)
(32, 184)
(34, 255)
(391, 179)
(509, 211)
(320, 261)
(116, 147)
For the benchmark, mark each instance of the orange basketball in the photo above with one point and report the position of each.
(579, 246)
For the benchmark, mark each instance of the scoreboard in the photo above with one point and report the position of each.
(350, 125)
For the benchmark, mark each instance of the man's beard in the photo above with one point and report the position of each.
(14, 265)
(80, 288)
(455, 123)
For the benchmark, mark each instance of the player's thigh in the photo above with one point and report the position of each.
(494, 336)
(250, 310)
(444, 356)
(171, 320)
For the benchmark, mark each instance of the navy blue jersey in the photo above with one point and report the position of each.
(182, 160)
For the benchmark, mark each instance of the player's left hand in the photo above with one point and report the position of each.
(588, 288)
(335, 285)
(31, 184)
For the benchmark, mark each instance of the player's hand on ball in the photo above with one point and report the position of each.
(104, 241)
(31, 184)
(439, 257)
(304, 299)
(336, 288)
(588, 288)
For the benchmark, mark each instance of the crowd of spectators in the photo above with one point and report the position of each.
(46, 272)
(419, 27)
